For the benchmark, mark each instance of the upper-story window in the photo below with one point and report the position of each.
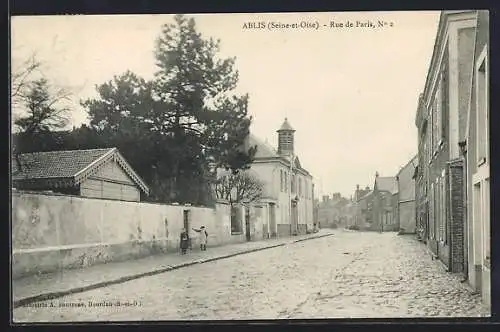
(286, 181)
(482, 88)
(428, 144)
(300, 187)
(292, 183)
(438, 109)
(281, 180)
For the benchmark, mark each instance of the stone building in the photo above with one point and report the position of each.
(95, 173)
(331, 211)
(363, 201)
(406, 197)
(476, 156)
(385, 202)
(287, 201)
(442, 121)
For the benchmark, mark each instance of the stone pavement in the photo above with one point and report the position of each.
(348, 275)
(53, 285)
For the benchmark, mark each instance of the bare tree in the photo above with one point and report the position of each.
(22, 76)
(242, 187)
(43, 106)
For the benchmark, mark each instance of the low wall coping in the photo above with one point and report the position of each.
(21, 193)
(81, 245)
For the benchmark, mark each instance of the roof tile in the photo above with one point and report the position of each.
(54, 164)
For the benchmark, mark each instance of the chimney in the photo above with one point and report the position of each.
(376, 174)
(357, 187)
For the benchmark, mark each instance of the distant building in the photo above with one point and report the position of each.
(97, 173)
(288, 186)
(350, 213)
(331, 211)
(385, 203)
(406, 197)
(363, 207)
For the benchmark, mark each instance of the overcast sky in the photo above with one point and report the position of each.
(350, 93)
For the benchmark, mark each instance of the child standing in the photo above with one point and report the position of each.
(184, 244)
(203, 235)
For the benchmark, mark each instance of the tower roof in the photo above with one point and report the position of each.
(286, 126)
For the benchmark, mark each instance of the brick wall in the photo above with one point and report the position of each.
(456, 219)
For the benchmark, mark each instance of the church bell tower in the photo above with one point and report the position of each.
(285, 139)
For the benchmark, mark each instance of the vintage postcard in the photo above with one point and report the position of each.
(250, 166)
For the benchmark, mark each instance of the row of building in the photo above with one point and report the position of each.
(389, 205)
(443, 193)
(452, 178)
(285, 207)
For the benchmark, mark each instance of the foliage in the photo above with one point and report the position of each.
(42, 105)
(170, 126)
(21, 76)
(242, 187)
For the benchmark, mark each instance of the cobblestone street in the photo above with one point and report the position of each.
(349, 274)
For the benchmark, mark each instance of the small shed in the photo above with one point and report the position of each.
(97, 173)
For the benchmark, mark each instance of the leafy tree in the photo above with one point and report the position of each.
(39, 115)
(168, 127)
(196, 88)
(44, 112)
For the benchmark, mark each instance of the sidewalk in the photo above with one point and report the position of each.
(53, 285)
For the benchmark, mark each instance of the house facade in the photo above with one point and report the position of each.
(331, 211)
(364, 210)
(287, 201)
(476, 156)
(406, 197)
(385, 203)
(441, 120)
(94, 173)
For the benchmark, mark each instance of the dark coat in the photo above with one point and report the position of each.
(184, 240)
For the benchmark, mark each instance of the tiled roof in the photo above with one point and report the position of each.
(264, 150)
(69, 166)
(387, 184)
(54, 164)
(365, 193)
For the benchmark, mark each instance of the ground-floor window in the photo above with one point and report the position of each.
(431, 213)
(487, 220)
(444, 203)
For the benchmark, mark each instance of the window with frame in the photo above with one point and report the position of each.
(300, 187)
(438, 107)
(444, 89)
(482, 111)
(286, 181)
(281, 180)
(431, 213)
(292, 178)
(429, 139)
(441, 209)
(444, 203)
